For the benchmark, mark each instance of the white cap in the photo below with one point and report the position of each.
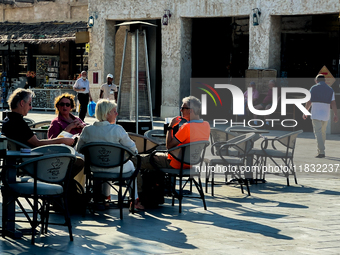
(109, 76)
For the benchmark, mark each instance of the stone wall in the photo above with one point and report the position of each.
(264, 40)
(60, 10)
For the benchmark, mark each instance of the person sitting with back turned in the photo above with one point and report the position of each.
(15, 127)
(105, 130)
(65, 121)
(194, 130)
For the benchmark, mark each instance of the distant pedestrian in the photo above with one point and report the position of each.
(82, 86)
(322, 97)
(107, 90)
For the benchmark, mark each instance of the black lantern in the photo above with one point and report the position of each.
(256, 15)
(166, 17)
(90, 23)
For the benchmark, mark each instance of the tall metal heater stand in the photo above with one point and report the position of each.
(134, 103)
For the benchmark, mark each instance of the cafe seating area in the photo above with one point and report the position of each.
(231, 147)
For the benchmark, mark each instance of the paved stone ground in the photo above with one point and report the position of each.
(302, 218)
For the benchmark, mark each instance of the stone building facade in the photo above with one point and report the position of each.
(263, 43)
(43, 11)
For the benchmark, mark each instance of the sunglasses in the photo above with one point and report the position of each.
(63, 104)
(182, 108)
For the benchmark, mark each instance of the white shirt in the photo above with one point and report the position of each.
(320, 111)
(103, 131)
(80, 84)
(108, 91)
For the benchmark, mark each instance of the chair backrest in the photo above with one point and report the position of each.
(51, 168)
(190, 153)
(105, 154)
(54, 149)
(28, 120)
(289, 140)
(39, 124)
(218, 138)
(242, 143)
(144, 144)
(256, 136)
(14, 145)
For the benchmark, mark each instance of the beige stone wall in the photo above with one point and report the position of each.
(264, 40)
(60, 10)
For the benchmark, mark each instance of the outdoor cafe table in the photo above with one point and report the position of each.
(12, 158)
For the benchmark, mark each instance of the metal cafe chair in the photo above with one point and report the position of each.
(242, 144)
(285, 153)
(218, 138)
(190, 154)
(51, 174)
(105, 156)
(258, 163)
(144, 144)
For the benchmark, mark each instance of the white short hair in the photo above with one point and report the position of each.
(103, 107)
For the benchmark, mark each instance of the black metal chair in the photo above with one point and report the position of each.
(285, 153)
(231, 155)
(100, 158)
(144, 143)
(190, 154)
(51, 175)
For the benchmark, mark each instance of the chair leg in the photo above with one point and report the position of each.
(200, 190)
(180, 197)
(67, 217)
(207, 178)
(47, 216)
(212, 183)
(35, 219)
(120, 200)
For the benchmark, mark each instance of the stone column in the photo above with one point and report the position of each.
(265, 42)
(101, 55)
(176, 64)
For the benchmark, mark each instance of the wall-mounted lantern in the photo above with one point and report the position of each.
(166, 17)
(256, 16)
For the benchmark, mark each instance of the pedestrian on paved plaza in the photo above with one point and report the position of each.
(108, 89)
(82, 87)
(322, 97)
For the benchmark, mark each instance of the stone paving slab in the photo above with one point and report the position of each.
(303, 218)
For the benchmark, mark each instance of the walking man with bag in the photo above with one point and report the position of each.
(82, 87)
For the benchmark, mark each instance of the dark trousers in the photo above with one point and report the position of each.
(83, 100)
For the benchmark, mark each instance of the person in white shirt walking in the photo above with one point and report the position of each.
(322, 99)
(107, 90)
(82, 87)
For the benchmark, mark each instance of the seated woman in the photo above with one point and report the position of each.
(65, 121)
(105, 130)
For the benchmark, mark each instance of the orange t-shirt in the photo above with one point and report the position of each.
(192, 131)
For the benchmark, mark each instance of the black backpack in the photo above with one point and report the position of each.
(152, 193)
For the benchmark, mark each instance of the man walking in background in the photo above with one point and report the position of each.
(322, 96)
(82, 87)
(108, 89)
